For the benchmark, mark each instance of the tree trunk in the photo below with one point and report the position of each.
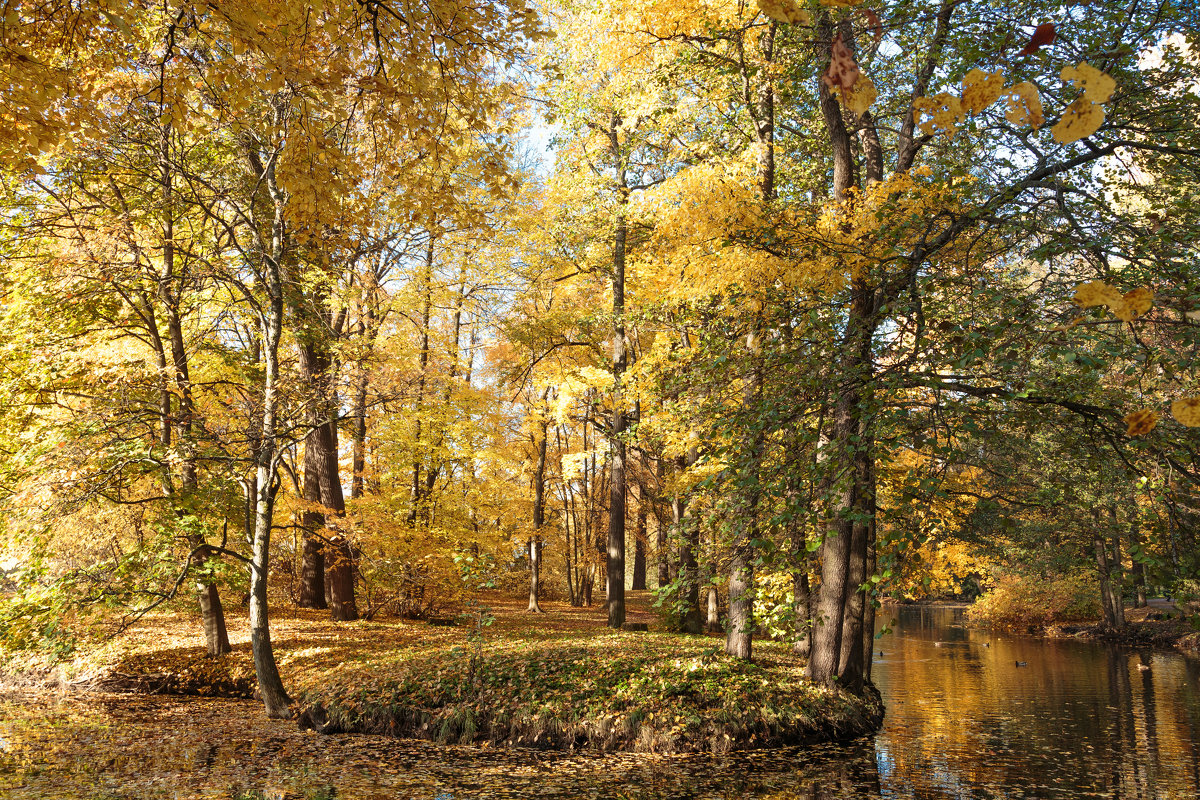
(1137, 568)
(688, 530)
(639, 547)
(212, 613)
(539, 521)
(616, 515)
(662, 552)
(270, 686)
(1106, 590)
(714, 610)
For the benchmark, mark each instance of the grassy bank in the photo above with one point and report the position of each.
(560, 680)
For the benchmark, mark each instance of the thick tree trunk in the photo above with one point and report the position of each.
(739, 635)
(616, 515)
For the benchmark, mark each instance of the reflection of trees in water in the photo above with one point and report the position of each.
(1081, 719)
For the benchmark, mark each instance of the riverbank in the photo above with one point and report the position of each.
(559, 680)
(1156, 626)
(1160, 625)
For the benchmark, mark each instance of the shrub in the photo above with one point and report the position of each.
(1024, 601)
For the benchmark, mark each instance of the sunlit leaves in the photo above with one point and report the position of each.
(1187, 411)
(980, 89)
(786, 11)
(861, 95)
(1126, 307)
(942, 113)
(1086, 114)
(1025, 106)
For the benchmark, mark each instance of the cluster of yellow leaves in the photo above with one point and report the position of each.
(1126, 307)
(1084, 116)
(944, 111)
(786, 11)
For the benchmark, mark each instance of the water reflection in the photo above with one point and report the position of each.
(1081, 720)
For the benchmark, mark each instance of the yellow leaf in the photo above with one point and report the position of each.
(786, 11)
(1082, 118)
(1099, 293)
(1025, 106)
(861, 95)
(1139, 301)
(1141, 422)
(1187, 411)
(1096, 85)
(980, 89)
(944, 111)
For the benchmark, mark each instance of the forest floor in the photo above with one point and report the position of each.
(558, 680)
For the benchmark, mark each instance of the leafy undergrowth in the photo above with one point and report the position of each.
(620, 691)
(560, 680)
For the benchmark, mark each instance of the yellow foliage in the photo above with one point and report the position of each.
(1140, 422)
(1084, 116)
(861, 96)
(1138, 302)
(1096, 85)
(1025, 106)
(786, 11)
(1126, 307)
(944, 112)
(1187, 411)
(980, 89)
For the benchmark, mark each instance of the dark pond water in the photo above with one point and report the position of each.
(1081, 720)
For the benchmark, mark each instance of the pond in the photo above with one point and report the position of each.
(1078, 720)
